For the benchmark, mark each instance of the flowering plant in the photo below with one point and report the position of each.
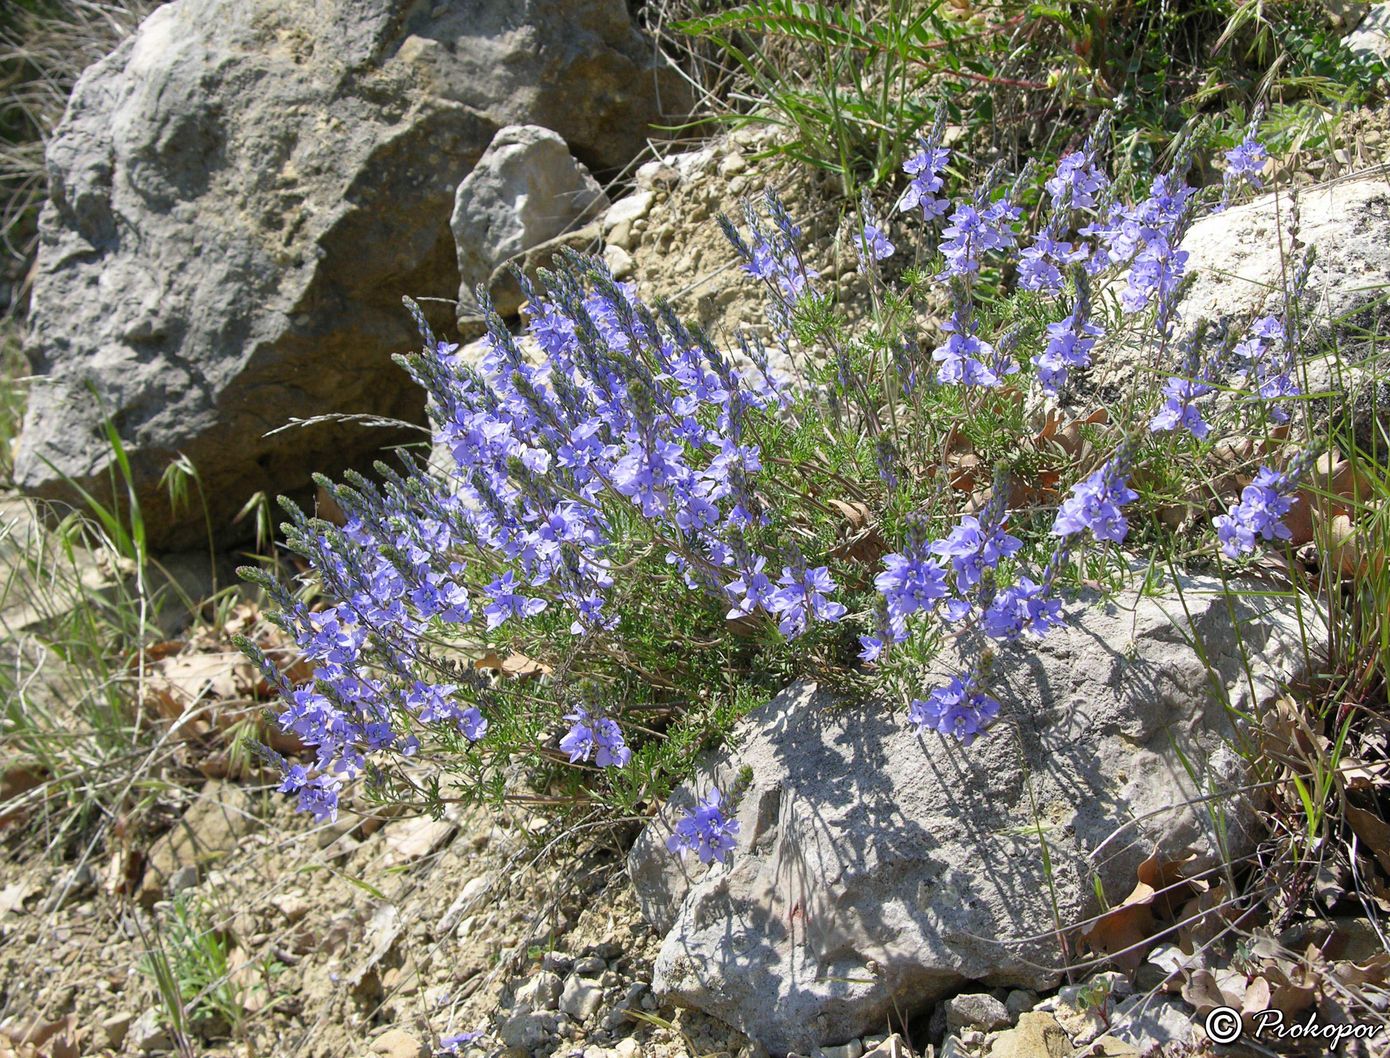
(655, 524)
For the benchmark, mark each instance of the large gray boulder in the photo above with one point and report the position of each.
(1244, 257)
(877, 869)
(1242, 260)
(241, 194)
(525, 190)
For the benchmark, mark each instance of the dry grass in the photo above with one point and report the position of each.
(44, 47)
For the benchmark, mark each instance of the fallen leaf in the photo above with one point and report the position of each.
(1374, 831)
(514, 665)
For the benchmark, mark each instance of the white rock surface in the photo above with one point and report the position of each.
(1371, 38)
(875, 865)
(526, 189)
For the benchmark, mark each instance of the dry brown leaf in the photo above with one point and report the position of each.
(1364, 776)
(1202, 992)
(1166, 876)
(856, 515)
(1374, 831)
(516, 666)
(1203, 918)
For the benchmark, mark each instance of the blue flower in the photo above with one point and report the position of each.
(911, 582)
(956, 709)
(1022, 608)
(804, 598)
(507, 602)
(1258, 515)
(1077, 183)
(1094, 504)
(597, 737)
(705, 832)
(455, 1043)
(1069, 345)
(320, 797)
(1178, 409)
(974, 548)
(925, 168)
(872, 245)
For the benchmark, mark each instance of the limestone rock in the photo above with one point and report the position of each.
(1242, 259)
(1240, 265)
(976, 1010)
(875, 865)
(1371, 38)
(580, 999)
(526, 189)
(241, 193)
(1037, 1035)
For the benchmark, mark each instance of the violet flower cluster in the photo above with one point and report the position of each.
(611, 424)
(705, 831)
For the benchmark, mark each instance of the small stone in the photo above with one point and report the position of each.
(978, 1010)
(621, 236)
(397, 1043)
(557, 962)
(1037, 1035)
(951, 1047)
(590, 966)
(183, 878)
(1149, 1023)
(149, 1033)
(632, 997)
(292, 905)
(626, 210)
(619, 261)
(74, 885)
(627, 1048)
(115, 1028)
(1113, 1047)
(525, 1031)
(732, 165)
(1020, 1000)
(852, 1049)
(541, 992)
(891, 1046)
(580, 999)
(657, 175)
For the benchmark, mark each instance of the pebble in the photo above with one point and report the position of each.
(1038, 1035)
(590, 966)
(292, 905)
(557, 962)
(732, 165)
(541, 992)
(976, 1010)
(115, 1028)
(621, 236)
(627, 1048)
(619, 261)
(397, 1043)
(1020, 1000)
(627, 210)
(852, 1049)
(149, 1032)
(580, 999)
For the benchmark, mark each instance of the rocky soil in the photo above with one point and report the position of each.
(387, 934)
